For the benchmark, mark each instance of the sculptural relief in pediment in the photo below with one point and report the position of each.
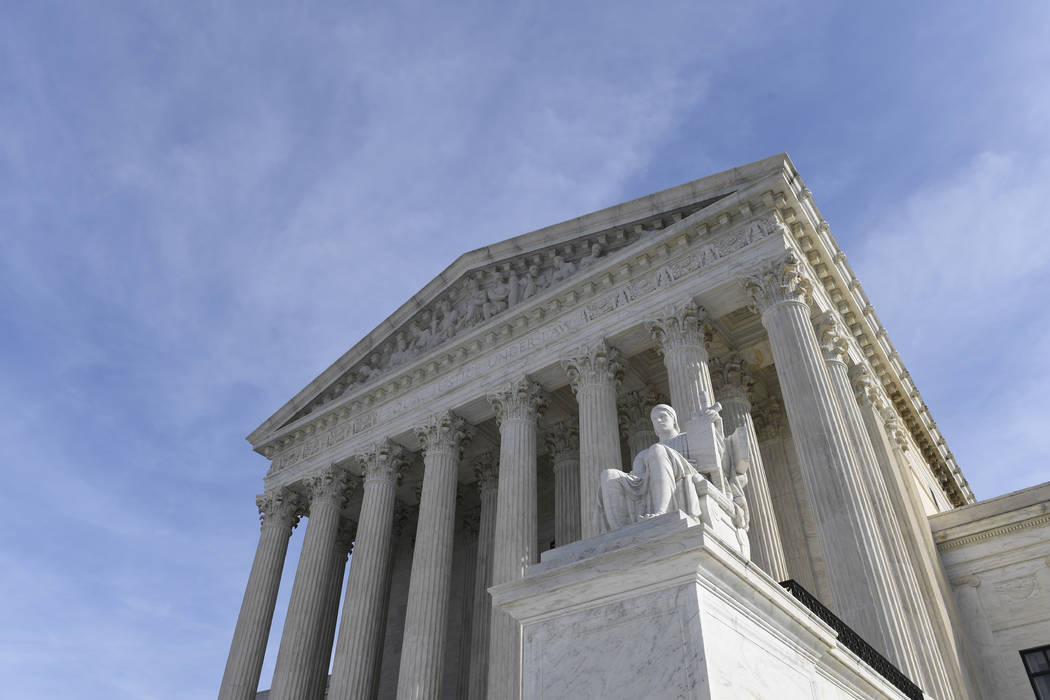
(478, 297)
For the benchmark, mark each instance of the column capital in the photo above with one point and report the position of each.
(523, 399)
(776, 282)
(895, 429)
(769, 418)
(731, 379)
(866, 389)
(633, 409)
(384, 461)
(831, 336)
(444, 432)
(281, 508)
(562, 438)
(333, 483)
(679, 326)
(486, 470)
(597, 363)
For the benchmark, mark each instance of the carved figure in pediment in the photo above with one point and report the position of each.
(369, 369)
(474, 312)
(498, 296)
(531, 282)
(446, 321)
(592, 257)
(401, 352)
(563, 270)
(424, 334)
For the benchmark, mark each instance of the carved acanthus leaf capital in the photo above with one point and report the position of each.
(831, 337)
(777, 282)
(731, 379)
(633, 410)
(678, 327)
(333, 483)
(866, 389)
(444, 432)
(769, 419)
(486, 470)
(598, 363)
(281, 508)
(385, 461)
(562, 440)
(522, 400)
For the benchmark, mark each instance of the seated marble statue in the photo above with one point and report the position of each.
(661, 478)
(682, 471)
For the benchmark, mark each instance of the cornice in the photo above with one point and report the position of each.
(643, 212)
(698, 242)
(827, 263)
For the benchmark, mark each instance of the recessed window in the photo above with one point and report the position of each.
(1037, 663)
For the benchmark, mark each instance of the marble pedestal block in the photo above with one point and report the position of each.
(665, 608)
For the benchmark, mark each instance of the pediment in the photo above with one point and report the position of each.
(483, 285)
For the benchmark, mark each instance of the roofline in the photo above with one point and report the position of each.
(648, 205)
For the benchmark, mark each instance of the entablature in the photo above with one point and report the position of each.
(608, 299)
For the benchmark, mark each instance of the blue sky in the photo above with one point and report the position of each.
(204, 204)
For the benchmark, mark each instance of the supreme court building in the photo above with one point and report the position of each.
(454, 458)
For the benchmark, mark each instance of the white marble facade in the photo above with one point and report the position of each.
(470, 431)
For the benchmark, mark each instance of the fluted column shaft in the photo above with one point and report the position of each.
(482, 617)
(595, 374)
(767, 550)
(680, 339)
(858, 567)
(515, 545)
(356, 661)
(563, 444)
(901, 575)
(934, 645)
(329, 618)
(301, 636)
(279, 513)
(426, 620)
(566, 498)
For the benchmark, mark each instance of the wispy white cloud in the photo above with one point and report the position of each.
(959, 273)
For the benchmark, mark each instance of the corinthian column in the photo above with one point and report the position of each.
(344, 542)
(634, 408)
(734, 393)
(595, 373)
(920, 588)
(486, 469)
(563, 444)
(904, 585)
(356, 663)
(426, 620)
(857, 564)
(679, 338)
(302, 626)
(279, 513)
(517, 407)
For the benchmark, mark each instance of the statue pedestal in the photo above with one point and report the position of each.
(666, 608)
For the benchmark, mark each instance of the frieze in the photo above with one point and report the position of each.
(706, 255)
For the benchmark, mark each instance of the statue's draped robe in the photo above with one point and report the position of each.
(661, 481)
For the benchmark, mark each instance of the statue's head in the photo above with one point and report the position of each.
(665, 421)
